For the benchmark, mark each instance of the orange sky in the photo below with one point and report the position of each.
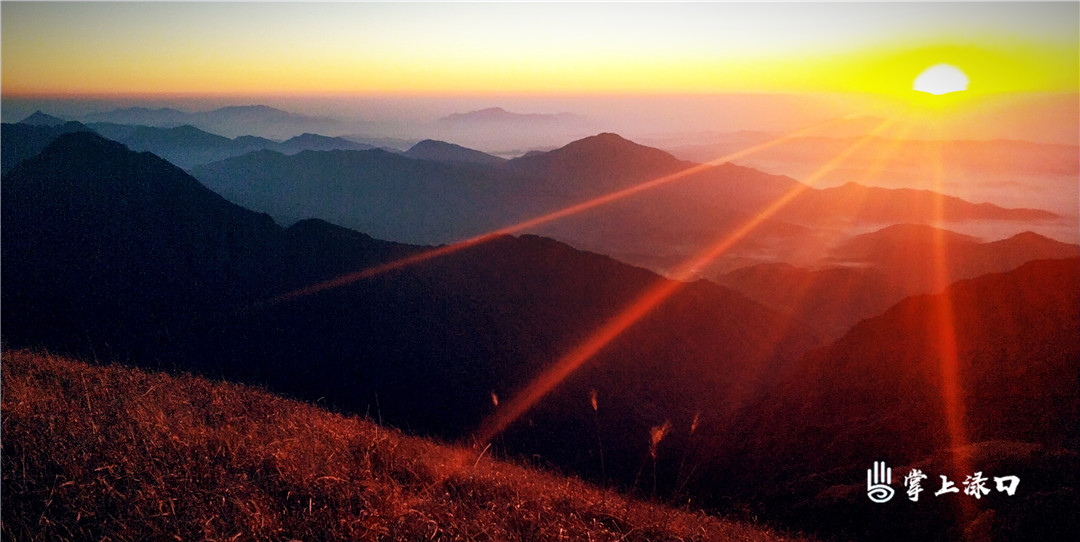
(382, 48)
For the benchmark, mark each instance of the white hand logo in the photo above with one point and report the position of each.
(877, 483)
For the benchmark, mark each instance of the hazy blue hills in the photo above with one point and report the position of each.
(441, 151)
(658, 228)
(185, 146)
(388, 195)
(316, 142)
(232, 121)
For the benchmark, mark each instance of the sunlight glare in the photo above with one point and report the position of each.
(941, 79)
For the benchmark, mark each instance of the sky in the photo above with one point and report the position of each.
(102, 49)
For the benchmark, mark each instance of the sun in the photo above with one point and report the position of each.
(941, 79)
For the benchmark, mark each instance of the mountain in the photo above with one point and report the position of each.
(870, 272)
(441, 151)
(115, 246)
(855, 203)
(141, 116)
(121, 255)
(185, 146)
(232, 121)
(597, 163)
(226, 446)
(21, 141)
(316, 142)
(831, 299)
(388, 195)
(890, 250)
(396, 200)
(500, 115)
(877, 394)
(188, 147)
(505, 133)
(37, 118)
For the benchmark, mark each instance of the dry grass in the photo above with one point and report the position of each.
(111, 453)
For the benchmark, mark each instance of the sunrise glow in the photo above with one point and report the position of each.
(155, 48)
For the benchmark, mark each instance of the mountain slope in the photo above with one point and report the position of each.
(119, 254)
(877, 394)
(232, 460)
(21, 141)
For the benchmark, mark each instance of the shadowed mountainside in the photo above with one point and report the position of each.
(120, 453)
(119, 254)
(21, 141)
(878, 394)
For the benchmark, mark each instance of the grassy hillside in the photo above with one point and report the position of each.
(115, 453)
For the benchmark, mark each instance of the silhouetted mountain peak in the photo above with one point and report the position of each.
(918, 231)
(39, 118)
(441, 151)
(604, 147)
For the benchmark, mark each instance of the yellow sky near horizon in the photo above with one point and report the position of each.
(294, 48)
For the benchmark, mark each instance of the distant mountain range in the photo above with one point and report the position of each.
(184, 146)
(497, 115)
(233, 121)
(508, 133)
(976, 170)
(656, 229)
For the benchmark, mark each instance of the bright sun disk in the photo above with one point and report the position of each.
(941, 79)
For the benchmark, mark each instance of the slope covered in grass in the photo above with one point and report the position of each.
(115, 453)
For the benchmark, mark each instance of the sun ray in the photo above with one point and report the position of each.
(653, 297)
(943, 329)
(349, 278)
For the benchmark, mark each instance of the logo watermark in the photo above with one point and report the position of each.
(879, 484)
